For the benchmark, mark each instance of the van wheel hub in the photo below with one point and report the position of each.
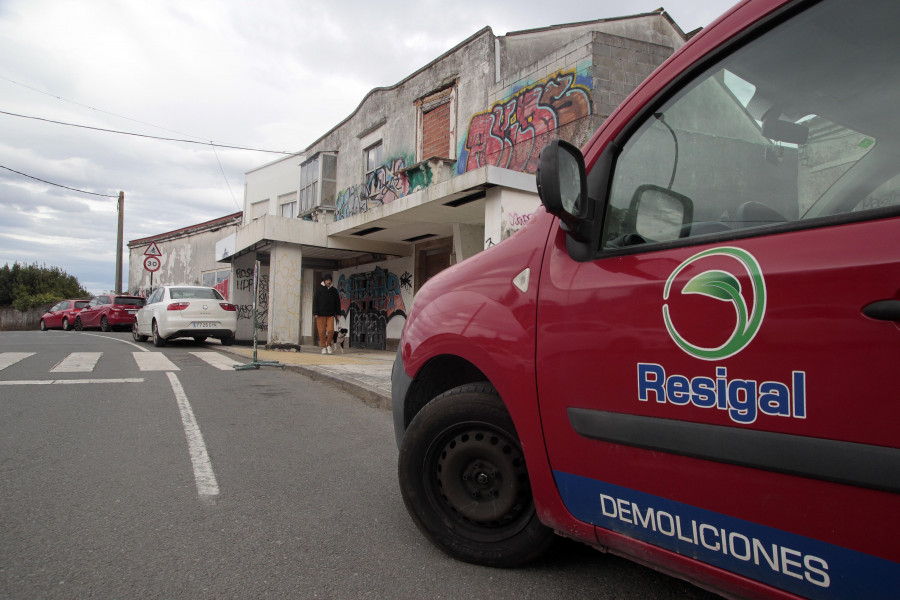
(482, 478)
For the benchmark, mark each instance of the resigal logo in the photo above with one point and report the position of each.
(725, 287)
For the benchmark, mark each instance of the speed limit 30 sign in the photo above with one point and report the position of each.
(152, 263)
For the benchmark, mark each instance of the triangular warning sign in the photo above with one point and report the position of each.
(153, 250)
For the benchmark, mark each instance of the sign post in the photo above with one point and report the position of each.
(152, 261)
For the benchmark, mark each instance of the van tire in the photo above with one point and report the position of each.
(463, 445)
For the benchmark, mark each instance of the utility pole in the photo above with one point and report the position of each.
(121, 209)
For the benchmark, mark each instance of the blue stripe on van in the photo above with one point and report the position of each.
(794, 563)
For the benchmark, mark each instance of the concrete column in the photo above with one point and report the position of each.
(468, 240)
(493, 215)
(242, 296)
(307, 288)
(284, 294)
(516, 209)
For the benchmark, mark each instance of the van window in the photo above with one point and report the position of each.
(793, 126)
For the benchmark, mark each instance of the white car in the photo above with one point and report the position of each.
(174, 311)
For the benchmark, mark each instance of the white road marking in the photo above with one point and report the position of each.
(11, 358)
(77, 362)
(70, 381)
(217, 360)
(106, 337)
(204, 476)
(153, 361)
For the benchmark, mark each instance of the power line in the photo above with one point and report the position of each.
(228, 185)
(153, 137)
(57, 184)
(33, 89)
(212, 146)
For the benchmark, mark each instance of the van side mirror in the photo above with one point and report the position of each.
(562, 186)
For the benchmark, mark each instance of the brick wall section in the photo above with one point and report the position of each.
(436, 132)
(620, 65)
(616, 65)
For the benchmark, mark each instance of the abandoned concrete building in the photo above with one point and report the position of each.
(424, 173)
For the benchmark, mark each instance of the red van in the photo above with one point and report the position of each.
(690, 356)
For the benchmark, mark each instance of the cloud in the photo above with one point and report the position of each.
(275, 75)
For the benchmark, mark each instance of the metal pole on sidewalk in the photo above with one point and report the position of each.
(256, 364)
(121, 210)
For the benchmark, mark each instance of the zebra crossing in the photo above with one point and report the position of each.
(86, 362)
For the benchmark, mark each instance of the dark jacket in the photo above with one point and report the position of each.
(326, 302)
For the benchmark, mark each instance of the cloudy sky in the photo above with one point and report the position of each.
(272, 75)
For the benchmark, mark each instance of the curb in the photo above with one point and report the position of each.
(370, 395)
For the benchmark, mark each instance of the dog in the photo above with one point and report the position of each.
(338, 340)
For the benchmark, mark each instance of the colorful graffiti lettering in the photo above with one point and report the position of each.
(348, 203)
(370, 300)
(512, 133)
(382, 186)
(387, 183)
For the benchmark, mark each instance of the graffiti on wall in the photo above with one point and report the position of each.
(387, 183)
(382, 186)
(513, 222)
(348, 203)
(512, 133)
(244, 282)
(370, 300)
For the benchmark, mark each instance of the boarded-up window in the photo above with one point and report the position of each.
(436, 131)
(437, 125)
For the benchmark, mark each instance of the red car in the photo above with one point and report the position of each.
(109, 311)
(62, 315)
(688, 356)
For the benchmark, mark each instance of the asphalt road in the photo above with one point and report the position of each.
(205, 483)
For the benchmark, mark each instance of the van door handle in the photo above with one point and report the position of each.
(883, 310)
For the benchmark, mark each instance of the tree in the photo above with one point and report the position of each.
(28, 286)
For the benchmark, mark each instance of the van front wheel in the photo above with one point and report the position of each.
(464, 481)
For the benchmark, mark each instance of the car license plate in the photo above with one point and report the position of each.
(204, 324)
(131, 312)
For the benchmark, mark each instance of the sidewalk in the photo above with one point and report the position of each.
(364, 373)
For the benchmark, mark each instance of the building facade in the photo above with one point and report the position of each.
(429, 172)
(188, 256)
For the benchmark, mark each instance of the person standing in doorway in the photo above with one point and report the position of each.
(326, 308)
